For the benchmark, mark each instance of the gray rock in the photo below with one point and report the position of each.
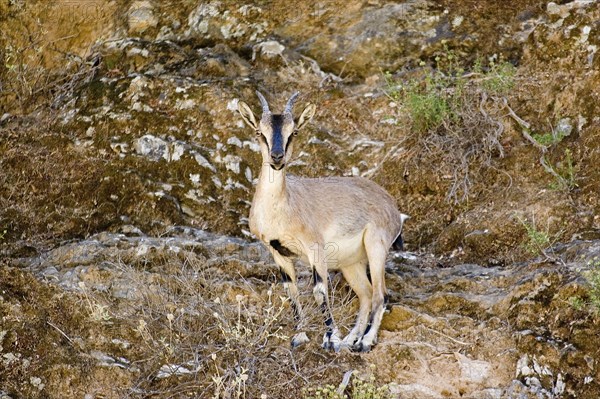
(141, 17)
(152, 147)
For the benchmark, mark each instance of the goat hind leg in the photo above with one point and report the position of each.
(356, 277)
(377, 251)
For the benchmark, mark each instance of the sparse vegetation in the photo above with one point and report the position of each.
(548, 139)
(564, 173)
(455, 116)
(201, 332)
(499, 77)
(357, 389)
(576, 302)
(537, 240)
(182, 322)
(592, 278)
(98, 312)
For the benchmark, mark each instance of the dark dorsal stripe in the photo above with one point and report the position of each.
(283, 251)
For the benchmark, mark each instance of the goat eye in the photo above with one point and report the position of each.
(295, 133)
(258, 133)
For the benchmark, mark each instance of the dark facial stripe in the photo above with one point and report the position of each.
(277, 142)
(277, 147)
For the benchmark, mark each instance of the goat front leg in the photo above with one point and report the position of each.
(331, 339)
(290, 284)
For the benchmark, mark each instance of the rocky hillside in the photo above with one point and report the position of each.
(127, 268)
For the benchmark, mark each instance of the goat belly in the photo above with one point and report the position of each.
(344, 251)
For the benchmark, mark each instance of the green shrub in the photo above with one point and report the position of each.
(454, 116)
(428, 106)
(500, 77)
(565, 173)
(591, 301)
(537, 240)
(592, 277)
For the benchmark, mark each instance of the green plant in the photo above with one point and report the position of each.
(590, 301)
(537, 241)
(592, 277)
(548, 139)
(500, 77)
(326, 392)
(369, 390)
(576, 302)
(427, 104)
(564, 173)
(562, 129)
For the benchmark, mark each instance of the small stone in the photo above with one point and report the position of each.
(552, 8)
(185, 104)
(152, 147)
(564, 127)
(269, 49)
(457, 21)
(141, 17)
(234, 141)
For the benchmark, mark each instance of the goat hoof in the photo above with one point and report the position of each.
(361, 347)
(342, 346)
(332, 342)
(327, 345)
(299, 339)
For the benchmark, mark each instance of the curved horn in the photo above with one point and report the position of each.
(290, 103)
(263, 102)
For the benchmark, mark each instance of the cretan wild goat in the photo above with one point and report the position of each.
(336, 223)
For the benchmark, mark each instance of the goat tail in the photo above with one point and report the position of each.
(398, 244)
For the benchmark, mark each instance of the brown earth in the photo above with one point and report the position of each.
(119, 117)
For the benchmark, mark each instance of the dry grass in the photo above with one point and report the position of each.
(208, 329)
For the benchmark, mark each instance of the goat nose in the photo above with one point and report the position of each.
(277, 156)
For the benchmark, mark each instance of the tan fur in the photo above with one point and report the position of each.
(335, 223)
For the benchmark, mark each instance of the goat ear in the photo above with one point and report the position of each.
(306, 116)
(247, 115)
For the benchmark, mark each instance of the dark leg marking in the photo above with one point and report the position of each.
(283, 251)
(285, 278)
(329, 319)
(324, 307)
(296, 313)
(368, 326)
(316, 278)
